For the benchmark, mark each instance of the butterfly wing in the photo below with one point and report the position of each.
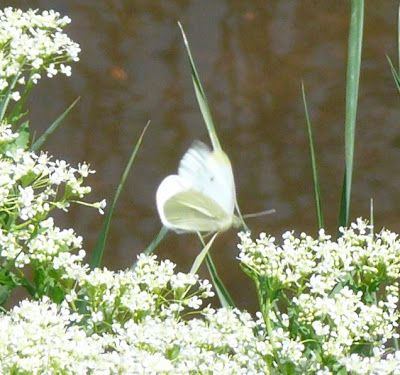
(183, 209)
(210, 173)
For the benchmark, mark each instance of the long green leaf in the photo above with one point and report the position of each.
(200, 258)
(395, 74)
(222, 292)
(98, 251)
(156, 241)
(205, 109)
(398, 37)
(314, 165)
(6, 99)
(154, 244)
(52, 128)
(352, 87)
(201, 96)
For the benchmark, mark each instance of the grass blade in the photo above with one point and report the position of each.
(352, 87)
(395, 74)
(201, 96)
(6, 99)
(98, 251)
(314, 165)
(398, 38)
(156, 241)
(204, 108)
(52, 128)
(222, 293)
(154, 244)
(200, 258)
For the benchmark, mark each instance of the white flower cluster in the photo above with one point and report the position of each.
(32, 43)
(134, 324)
(6, 133)
(44, 338)
(321, 263)
(152, 290)
(378, 364)
(341, 297)
(31, 186)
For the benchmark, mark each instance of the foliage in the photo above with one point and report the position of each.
(327, 306)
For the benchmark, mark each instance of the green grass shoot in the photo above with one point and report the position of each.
(205, 110)
(352, 88)
(98, 252)
(201, 96)
(222, 292)
(156, 241)
(200, 258)
(314, 164)
(396, 72)
(6, 99)
(53, 127)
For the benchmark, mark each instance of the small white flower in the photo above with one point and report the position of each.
(15, 96)
(101, 206)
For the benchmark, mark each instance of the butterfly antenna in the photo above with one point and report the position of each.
(261, 213)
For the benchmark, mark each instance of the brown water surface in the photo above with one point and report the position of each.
(252, 56)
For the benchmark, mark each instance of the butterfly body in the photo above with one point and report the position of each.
(201, 197)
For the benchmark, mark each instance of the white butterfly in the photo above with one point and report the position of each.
(202, 196)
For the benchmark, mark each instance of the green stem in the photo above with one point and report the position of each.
(352, 87)
(156, 241)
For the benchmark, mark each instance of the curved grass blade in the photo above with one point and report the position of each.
(6, 99)
(314, 165)
(398, 38)
(205, 109)
(154, 244)
(352, 87)
(200, 258)
(98, 251)
(201, 96)
(222, 293)
(156, 241)
(52, 128)
(395, 73)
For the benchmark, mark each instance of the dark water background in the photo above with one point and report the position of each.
(252, 56)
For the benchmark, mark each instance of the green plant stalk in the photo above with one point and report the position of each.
(53, 127)
(395, 74)
(201, 96)
(156, 241)
(398, 38)
(265, 307)
(98, 251)
(6, 99)
(153, 244)
(314, 165)
(205, 110)
(200, 258)
(352, 88)
(222, 292)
